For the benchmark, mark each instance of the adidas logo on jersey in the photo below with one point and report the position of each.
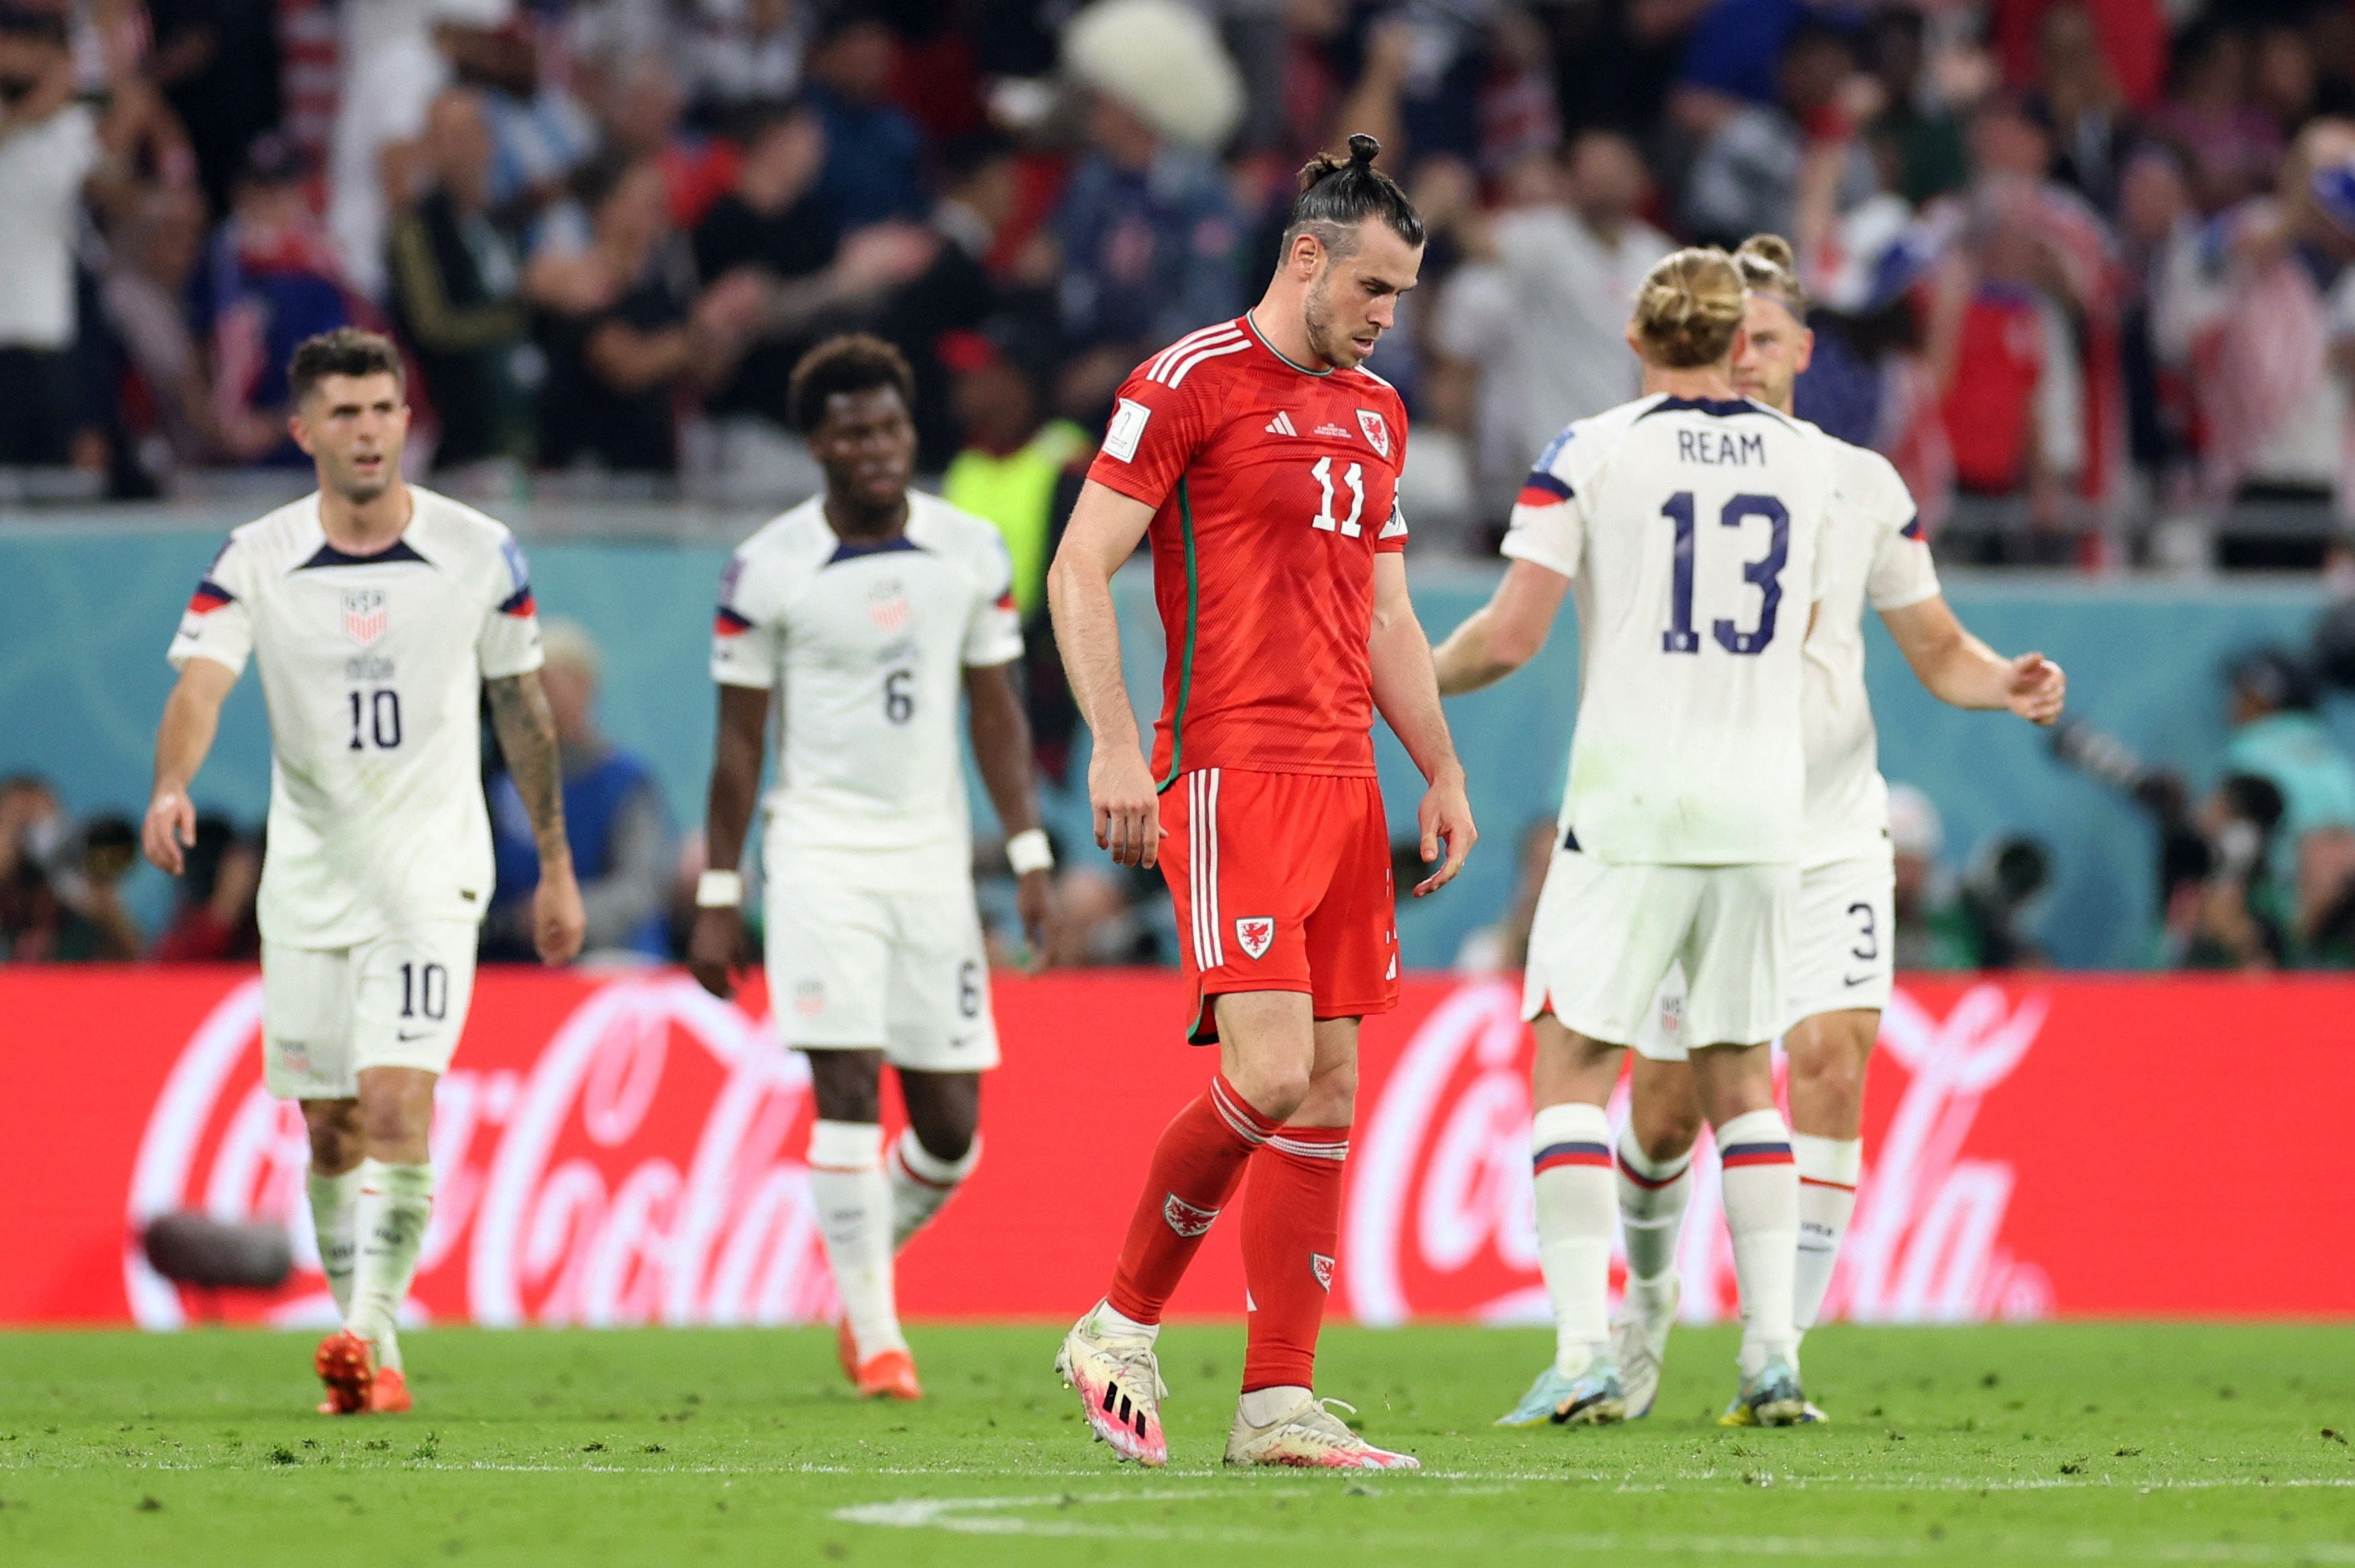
(1281, 424)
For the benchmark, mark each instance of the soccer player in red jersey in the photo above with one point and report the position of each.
(1262, 463)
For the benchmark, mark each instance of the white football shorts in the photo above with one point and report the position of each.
(1607, 936)
(851, 969)
(398, 1001)
(1841, 950)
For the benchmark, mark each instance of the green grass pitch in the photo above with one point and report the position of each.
(2120, 1443)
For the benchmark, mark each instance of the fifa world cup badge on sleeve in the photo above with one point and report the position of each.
(1126, 429)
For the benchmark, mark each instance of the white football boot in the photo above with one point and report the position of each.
(1639, 1340)
(1119, 1380)
(1310, 1436)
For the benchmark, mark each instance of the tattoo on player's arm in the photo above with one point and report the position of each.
(527, 732)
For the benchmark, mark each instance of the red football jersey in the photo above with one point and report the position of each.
(1274, 487)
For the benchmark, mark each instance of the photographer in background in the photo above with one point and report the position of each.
(1977, 920)
(2278, 736)
(61, 899)
(2220, 906)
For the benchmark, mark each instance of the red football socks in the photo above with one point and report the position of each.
(1292, 1229)
(1196, 1168)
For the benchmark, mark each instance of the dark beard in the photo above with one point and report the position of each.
(1317, 315)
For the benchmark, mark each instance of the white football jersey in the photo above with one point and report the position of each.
(869, 644)
(1691, 530)
(1874, 554)
(372, 668)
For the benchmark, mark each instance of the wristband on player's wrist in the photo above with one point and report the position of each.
(1028, 851)
(719, 890)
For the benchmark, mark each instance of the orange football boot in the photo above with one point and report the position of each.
(388, 1392)
(344, 1364)
(889, 1374)
(846, 1349)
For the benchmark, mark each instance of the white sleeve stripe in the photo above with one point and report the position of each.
(1159, 370)
(1187, 365)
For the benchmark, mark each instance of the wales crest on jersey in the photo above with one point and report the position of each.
(364, 615)
(1378, 431)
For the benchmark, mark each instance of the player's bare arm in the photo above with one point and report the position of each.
(1503, 633)
(1104, 530)
(1001, 749)
(527, 732)
(716, 946)
(1407, 693)
(1957, 668)
(191, 718)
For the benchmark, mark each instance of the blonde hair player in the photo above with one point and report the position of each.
(380, 615)
(1842, 943)
(1681, 521)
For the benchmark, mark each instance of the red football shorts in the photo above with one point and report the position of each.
(1282, 883)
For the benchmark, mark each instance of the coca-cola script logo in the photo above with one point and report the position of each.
(1441, 1218)
(642, 1166)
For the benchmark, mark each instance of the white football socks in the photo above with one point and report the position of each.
(921, 1182)
(1653, 1195)
(1263, 1406)
(1761, 1210)
(334, 1204)
(1571, 1148)
(1828, 1169)
(1108, 1320)
(854, 1212)
(395, 1202)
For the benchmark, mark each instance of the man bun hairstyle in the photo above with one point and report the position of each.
(1338, 193)
(854, 362)
(1689, 308)
(1769, 266)
(346, 351)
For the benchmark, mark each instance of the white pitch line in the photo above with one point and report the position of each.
(1001, 1516)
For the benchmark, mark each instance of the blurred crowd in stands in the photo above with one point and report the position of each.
(2078, 264)
(2085, 269)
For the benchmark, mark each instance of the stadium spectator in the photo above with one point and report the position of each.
(640, 112)
(614, 820)
(272, 281)
(1745, 178)
(215, 921)
(151, 261)
(2080, 104)
(541, 132)
(217, 64)
(1932, 932)
(53, 148)
(396, 56)
(2279, 736)
(873, 150)
(623, 332)
(2231, 146)
(1148, 226)
(2259, 315)
(1519, 114)
(738, 53)
(457, 297)
(961, 287)
(1536, 324)
(776, 231)
(1916, 131)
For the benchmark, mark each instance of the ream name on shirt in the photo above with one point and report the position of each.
(1720, 449)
